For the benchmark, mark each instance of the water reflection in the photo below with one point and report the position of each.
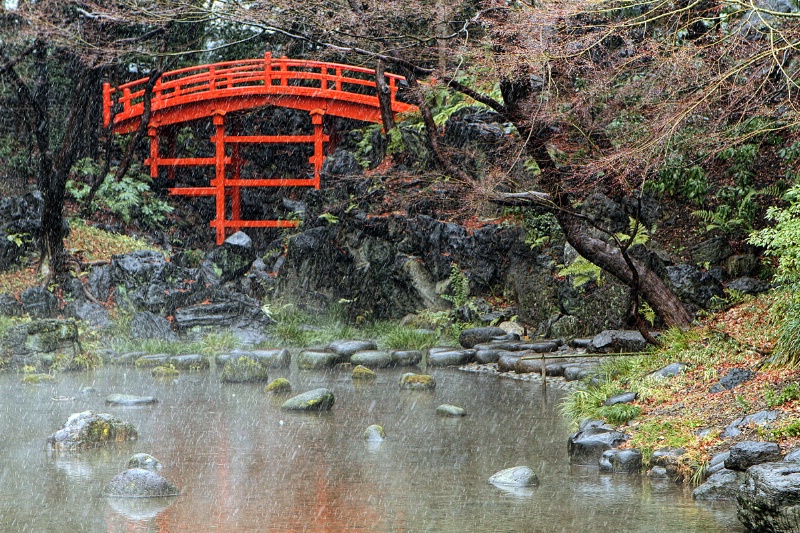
(243, 464)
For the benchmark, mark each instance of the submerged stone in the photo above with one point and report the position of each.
(140, 483)
(516, 476)
(374, 433)
(278, 385)
(450, 410)
(128, 399)
(36, 379)
(417, 381)
(314, 400)
(621, 461)
(144, 460)
(164, 372)
(89, 430)
(587, 446)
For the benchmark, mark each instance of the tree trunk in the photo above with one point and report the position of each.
(611, 259)
(519, 97)
(384, 97)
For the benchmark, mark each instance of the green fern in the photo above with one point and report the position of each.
(582, 271)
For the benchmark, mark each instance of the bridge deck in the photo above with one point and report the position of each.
(212, 91)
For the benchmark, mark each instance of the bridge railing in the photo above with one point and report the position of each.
(231, 78)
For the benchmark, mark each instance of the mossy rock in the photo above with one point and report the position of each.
(314, 400)
(374, 433)
(450, 410)
(36, 379)
(164, 372)
(417, 381)
(244, 369)
(278, 385)
(87, 430)
(362, 372)
(150, 361)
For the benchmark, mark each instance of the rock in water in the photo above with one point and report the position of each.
(127, 399)
(140, 483)
(450, 410)
(278, 385)
(144, 460)
(374, 433)
(417, 381)
(314, 400)
(244, 369)
(89, 430)
(362, 372)
(516, 476)
(769, 499)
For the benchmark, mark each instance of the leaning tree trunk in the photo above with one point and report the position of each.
(519, 96)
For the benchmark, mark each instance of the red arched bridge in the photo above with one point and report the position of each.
(212, 91)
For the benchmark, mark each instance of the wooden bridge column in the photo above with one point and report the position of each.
(152, 132)
(319, 155)
(236, 192)
(219, 176)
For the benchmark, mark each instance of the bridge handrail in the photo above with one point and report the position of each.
(217, 78)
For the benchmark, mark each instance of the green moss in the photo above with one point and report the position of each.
(164, 372)
(35, 379)
(417, 381)
(362, 372)
(278, 385)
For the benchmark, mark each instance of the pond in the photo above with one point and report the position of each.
(243, 464)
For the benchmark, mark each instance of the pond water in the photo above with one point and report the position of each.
(242, 464)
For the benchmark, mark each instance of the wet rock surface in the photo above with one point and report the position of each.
(314, 400)
(144, 460)
(244, 369)
(129, 399)
(587, 445)
(621, 461)
(516, 476)
(413, 381)
(745, 454)
(140, 483)
(721, 485)
(88, 430)
(448, 410)
(769, 499)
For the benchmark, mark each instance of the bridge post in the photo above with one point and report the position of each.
(152, 132)
(319, 155)
(267, 69)
(219, 175)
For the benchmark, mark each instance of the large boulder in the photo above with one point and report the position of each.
(748, 453)
(39, 302)
(769, 499)
(228, 261)
(225, 310)
(42, 344)
(693, 285)
(616, 341)
(147, 325)
(140, 483)
(89, 430)
(721, 485)
(146, 281)
(472, 336)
